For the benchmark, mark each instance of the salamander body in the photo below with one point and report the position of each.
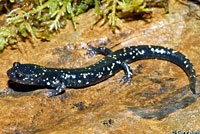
(60, 79)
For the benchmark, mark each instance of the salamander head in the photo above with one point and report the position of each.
(24, 73)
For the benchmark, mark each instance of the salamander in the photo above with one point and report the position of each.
(61, 78)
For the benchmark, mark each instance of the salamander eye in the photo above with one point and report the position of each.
(19, 75)
(16, 64)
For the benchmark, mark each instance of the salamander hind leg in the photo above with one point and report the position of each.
(60, 89)
(129, 74)
(93, 51)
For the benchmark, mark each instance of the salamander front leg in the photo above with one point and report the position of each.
(129, 74)
(93, 51)
(60, 89)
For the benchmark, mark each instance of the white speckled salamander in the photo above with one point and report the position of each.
(60, 79)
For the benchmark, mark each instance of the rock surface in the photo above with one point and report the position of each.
(159, 99)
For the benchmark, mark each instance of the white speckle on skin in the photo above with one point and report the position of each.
(124, 50)
(99, 76)
(118, 62)
(152, 49)
(84, 76)
(87, 83)
(162, 51)
(48, 83)
(168, 52)
(113, 65)
(25, 78)
(56, 82)
(110, 72)
(185, 61)
(141, 52)
(79, 81)
(73, 76)
(174, 51)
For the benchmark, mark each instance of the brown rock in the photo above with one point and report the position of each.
(158, 101)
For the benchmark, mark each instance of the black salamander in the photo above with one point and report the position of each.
(60, 79)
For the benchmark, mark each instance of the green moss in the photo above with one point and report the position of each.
(6, 37)
(42, 17)
(114, 9)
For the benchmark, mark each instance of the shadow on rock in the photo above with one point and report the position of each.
(165, 106)
(17, 90)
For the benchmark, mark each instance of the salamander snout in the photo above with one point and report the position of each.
(14, 73)
(25, 73)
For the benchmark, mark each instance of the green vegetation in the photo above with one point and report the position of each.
(114, 9)
(40, 18)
